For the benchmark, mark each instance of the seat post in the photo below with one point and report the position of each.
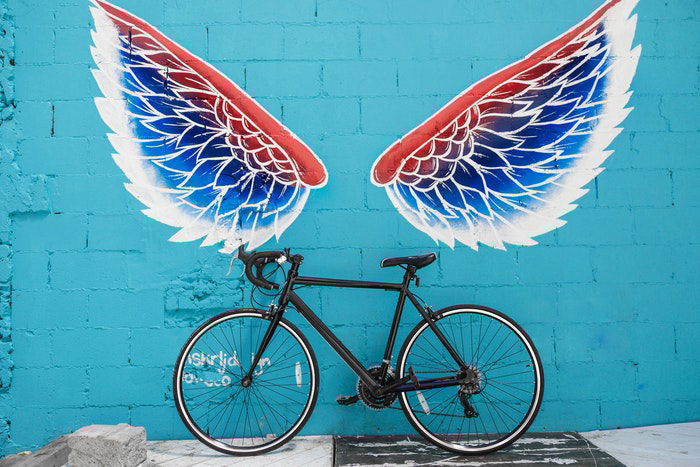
(386, 362)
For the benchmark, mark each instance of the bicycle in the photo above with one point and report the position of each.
(468, 378)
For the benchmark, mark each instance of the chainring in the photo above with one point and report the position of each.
(369, 399)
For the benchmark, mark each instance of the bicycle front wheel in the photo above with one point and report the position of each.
(254, 418)
(502, 384)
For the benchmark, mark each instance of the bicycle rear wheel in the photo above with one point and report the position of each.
(239, 419)
(502, 388)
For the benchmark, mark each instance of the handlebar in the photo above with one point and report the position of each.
(258, 261)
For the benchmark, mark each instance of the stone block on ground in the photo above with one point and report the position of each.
(107, 445)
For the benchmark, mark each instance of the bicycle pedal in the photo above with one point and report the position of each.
(347, 400)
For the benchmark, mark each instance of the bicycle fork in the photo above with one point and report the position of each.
(274, 322)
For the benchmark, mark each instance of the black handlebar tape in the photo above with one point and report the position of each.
(258, 261)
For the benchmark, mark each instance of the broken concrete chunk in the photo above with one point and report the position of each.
(107, 445)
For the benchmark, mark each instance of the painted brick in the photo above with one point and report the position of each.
(377, 228)
(686, 122)
(50, 232)
(395, 41)
(525, 304)
(658, 226)
(36, 118)
(67, 193)
(581, 380)
(60, 82)
(614, 341)
(668, 32)
(77, 118)
(622, 188)
(42, 386)
(601, 303)
(123, 385)
(133, 309)
(397, 116)
(343, 78)
(448, 78)
(685, 264)
(655, 122)
(211, 12)
(665, 150)
(686, 189)
(26, 38)
(652, 375)
(72, 16)
(71, 46)
(246, 41)
(585, 412)
(616, 414)
(30, 270)
(555, 265)
(153, 11)
(193, 38)
(343, 191)
(48, 309)
(90, 348)
(50, 156)
(652, 71)
(492, 268)
(327, 116)
(353, 154)
(278, 10)
(639, 263)
(78, 270)
(598, 226)
(687, 343)
(275, 79)
(319, 42)
(153, 347)
(169, 425)
(352, 11)
(33, 349)
(120, 232)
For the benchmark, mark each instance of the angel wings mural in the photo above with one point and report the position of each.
(197, 150)
(499, 164)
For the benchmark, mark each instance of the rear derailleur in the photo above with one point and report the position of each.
(473, 382)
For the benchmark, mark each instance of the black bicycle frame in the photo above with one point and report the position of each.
(408, 383)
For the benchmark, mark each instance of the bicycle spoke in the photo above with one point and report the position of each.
(497, 355)
(212, 388)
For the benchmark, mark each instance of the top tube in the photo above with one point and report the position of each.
(350, 284)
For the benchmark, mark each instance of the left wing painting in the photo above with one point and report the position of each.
(199, 152)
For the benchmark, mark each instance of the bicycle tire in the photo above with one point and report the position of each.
(182, 406)
(447, 441)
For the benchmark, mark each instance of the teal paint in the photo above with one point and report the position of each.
(100, 302)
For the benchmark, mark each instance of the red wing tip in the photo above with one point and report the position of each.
(314, 178)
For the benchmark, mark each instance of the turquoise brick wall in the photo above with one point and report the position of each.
(95, 303)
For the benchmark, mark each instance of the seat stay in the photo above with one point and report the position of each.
(441, 337)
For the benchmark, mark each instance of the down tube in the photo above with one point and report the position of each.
(332, 340)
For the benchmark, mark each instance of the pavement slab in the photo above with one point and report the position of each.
(533, 449)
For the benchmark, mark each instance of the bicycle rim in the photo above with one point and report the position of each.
(224, 414)
(501, 401)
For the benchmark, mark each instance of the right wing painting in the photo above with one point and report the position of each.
(507, 158)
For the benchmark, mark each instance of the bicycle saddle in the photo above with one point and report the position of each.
(419, 261)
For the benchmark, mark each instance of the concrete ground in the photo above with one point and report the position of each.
(663, 445)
